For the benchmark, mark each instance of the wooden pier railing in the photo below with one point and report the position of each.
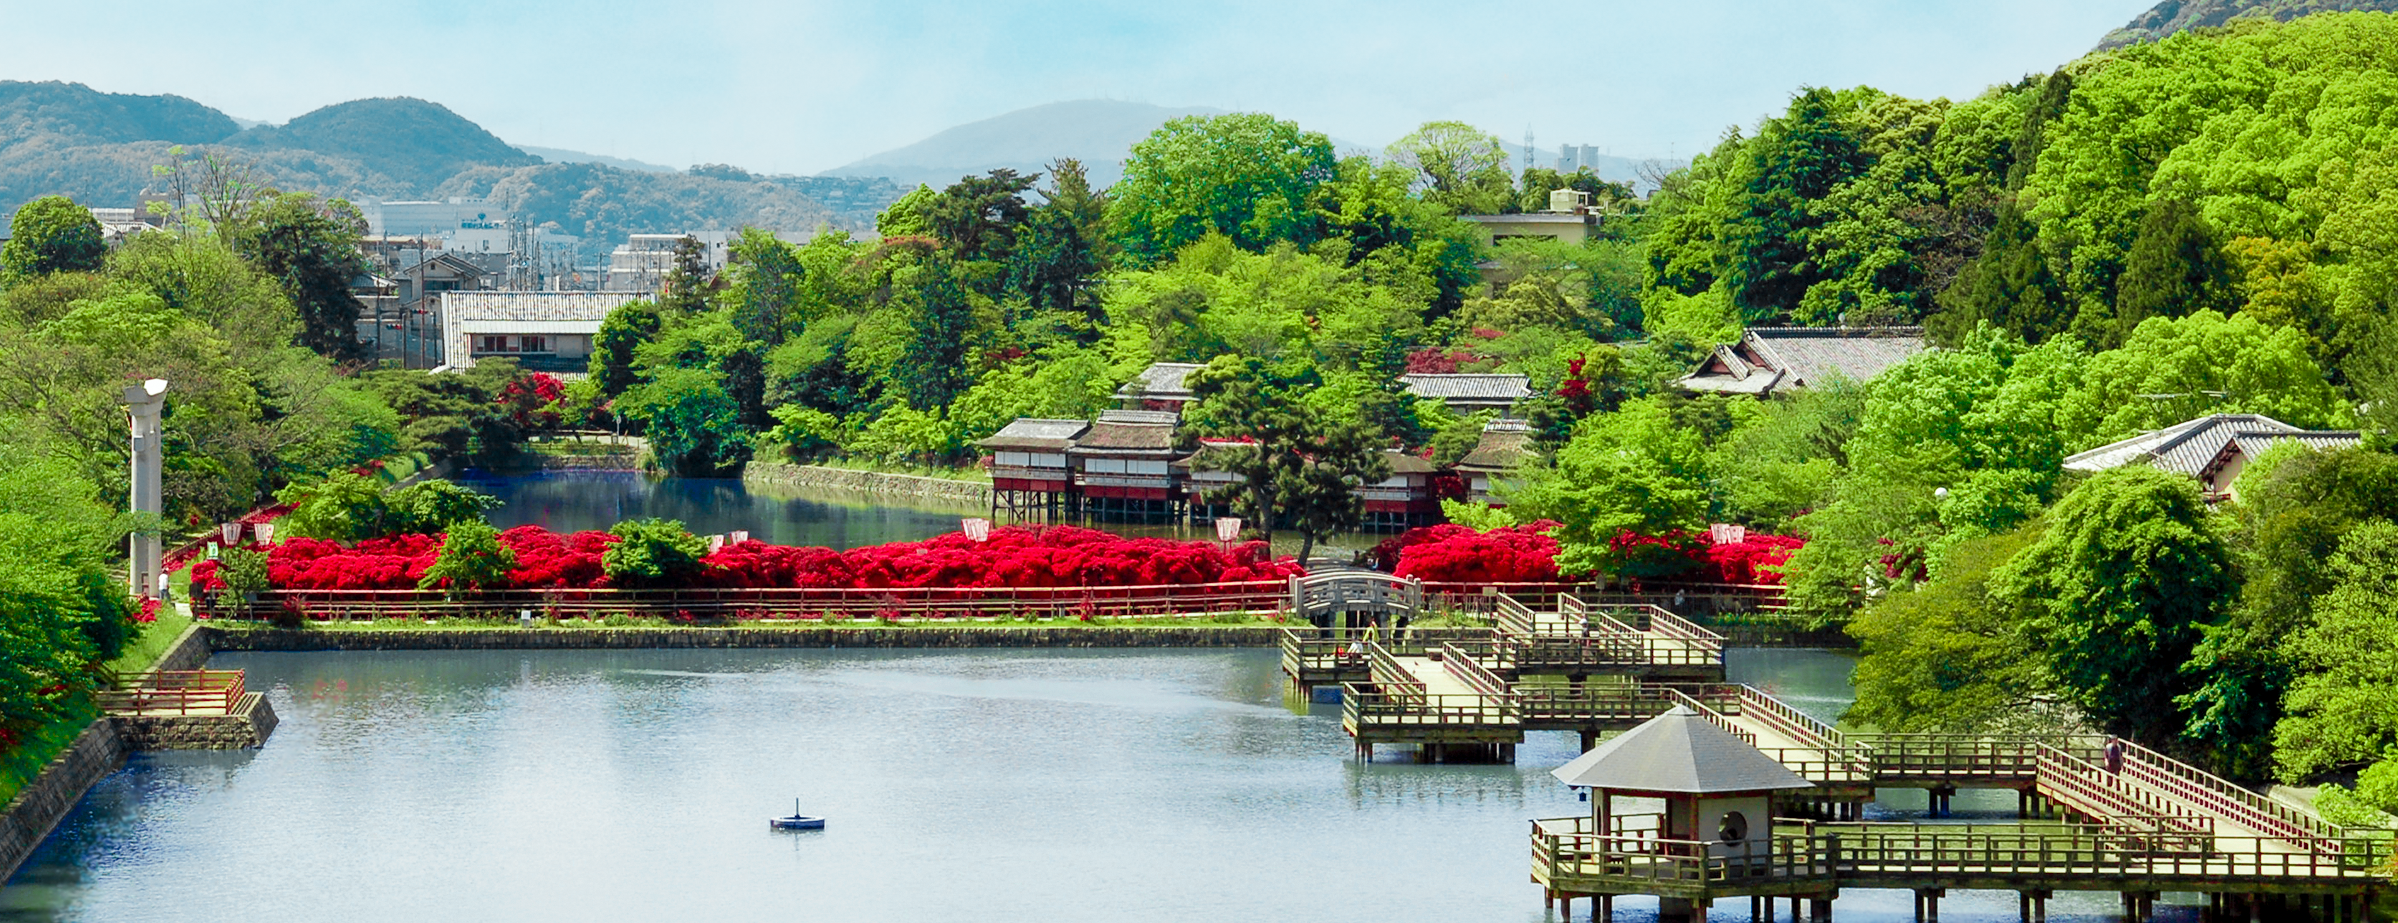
(779, 602)
(176, 692)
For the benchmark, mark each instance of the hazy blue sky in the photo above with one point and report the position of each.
(802, 86)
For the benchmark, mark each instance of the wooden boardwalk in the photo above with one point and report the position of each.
(2149, 825)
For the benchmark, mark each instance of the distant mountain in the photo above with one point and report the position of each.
(1098, 132)
(561, 155)
(98, 148)
(417, 143)
(2174, 16)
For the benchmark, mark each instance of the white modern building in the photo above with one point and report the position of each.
(543, 331)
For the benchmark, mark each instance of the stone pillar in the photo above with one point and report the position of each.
(143, 402)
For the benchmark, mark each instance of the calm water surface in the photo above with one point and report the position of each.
(569, 501)
(991, 785)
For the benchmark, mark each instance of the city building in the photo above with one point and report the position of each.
(1778, 360)
(641, 263)
(543, 331)
(2212, 449)
(1571, 217)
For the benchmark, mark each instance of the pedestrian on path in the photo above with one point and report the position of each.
(2114, 752)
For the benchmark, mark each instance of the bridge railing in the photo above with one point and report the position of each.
(2205, 791)
(1569, 850)
(1959, 756)
(1893, 850)
(1365, 710)
(1591, 702)
(2098, 793)
(1470, 671)
(1394, 677)
(176, 692)
(776, 602)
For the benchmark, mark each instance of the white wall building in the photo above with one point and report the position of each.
(543, 331)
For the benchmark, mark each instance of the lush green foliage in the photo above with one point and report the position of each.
(1299, 463)
(471, 558)
(51, 234)
(653, 552)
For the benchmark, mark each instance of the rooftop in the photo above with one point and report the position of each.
(1030, 433)
(2195, 447)
(1160, 381)
(1769, 359)
(1136, 431)
(1465, 386)
(1505, 444)
(1679, 753)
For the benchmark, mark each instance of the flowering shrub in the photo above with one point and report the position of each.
(1457, 554)
(1527, 554)
(1058, 556)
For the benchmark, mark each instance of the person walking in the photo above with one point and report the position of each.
(2114, 753)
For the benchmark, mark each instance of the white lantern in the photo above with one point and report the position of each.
(977, 529)
(1228, 528)
(739, 536)
(1724, 534)
(232, 532)
(265, 532)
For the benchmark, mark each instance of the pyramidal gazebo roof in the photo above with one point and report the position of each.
(1679, 752)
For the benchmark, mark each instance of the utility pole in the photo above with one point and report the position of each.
(143, 403)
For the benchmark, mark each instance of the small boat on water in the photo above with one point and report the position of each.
(797, 821)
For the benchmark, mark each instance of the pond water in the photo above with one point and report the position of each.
(998, 785)
(567, 501)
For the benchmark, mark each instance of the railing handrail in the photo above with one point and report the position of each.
(1472, 673)
(2214, 793)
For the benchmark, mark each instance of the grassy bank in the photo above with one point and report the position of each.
(946, 473)
(21, 763)
(144, 650)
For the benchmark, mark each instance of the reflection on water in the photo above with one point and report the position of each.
(1009, 785)
(568, 501)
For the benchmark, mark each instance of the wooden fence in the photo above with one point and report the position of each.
(775, 602)
(176, 692)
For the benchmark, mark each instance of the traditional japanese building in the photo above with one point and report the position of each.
(1467, 392)
(2213, 449)
(1123, 467)
(1160, 387)
(1404, 500)
(1779, 360)
(1199, 479)
(1506, 445)
(1030, 477)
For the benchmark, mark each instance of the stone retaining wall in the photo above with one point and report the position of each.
(189, 652)
(37, 809)
(409, 639)
(250, 724)
(872, 482)
(628, 460)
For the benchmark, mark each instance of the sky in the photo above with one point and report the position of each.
(801, 86)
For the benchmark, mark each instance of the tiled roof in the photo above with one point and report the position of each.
(1679, 752)
(1771, 358)
(1469, 386)
(1160, 381)
(1029, 433)
(2189, 447)
(1405, 463)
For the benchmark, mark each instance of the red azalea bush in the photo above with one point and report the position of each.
(1061, 556)
(1528, 554)
(1456, 554)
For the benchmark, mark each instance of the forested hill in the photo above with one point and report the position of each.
(99, 148)
(2173, 16)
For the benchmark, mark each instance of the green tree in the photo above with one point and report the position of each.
(1064, 248)
(688, 282)
(977, 217)
(2340, 711)
(343, 507)
(52, 234)
(471, 558)
(1298, 466)
(652, 553)
(2115, 592)
(766, 287)
(436, 505)
(692, 424)
(1642, 470)
(310, 245)
(2295, 507)
(624, 330)
(940, 311)
(2176, 369)
(1246, 176)
(2174, 268)
(1945, 657)
(1462, 169)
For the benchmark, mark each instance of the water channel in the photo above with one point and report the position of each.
(998, 785)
